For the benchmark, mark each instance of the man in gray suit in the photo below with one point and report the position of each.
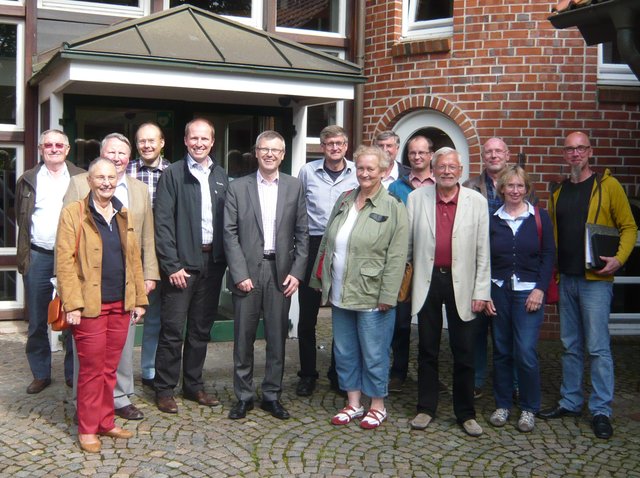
(449, 248)
(266, 241)
(134, 195)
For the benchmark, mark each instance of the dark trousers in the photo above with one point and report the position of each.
(197, 306)
(401, 341)
(38, 291)
(309, 301)
(265, 297)
(461, 340)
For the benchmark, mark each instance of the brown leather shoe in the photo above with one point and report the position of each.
(38, 385)
(90, 443)
(167, 404)
(118, 432)
(130, 412)
(202, 398)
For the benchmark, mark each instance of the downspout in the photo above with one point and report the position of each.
(358, 102)
(624, 20)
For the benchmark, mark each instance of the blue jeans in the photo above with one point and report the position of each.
(584, 320)
(151, 333)
(362, 346)
(515, 340)
(38, 291)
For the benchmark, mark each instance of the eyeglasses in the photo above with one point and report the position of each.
(334, 144)
(447, 167)
(274, 151)
(150, 142)
(105, 179)
(54, 145)
(420, 153)
(499, 152)
(580, 149)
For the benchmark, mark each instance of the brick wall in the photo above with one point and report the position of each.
(505, 72)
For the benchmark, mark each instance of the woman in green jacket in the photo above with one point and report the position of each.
(360, 266)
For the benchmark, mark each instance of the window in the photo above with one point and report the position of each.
(11, 76)
(11, 166)
(312, 17)
(116, 8)
(427, 18)
(612, 70)
(245, 11)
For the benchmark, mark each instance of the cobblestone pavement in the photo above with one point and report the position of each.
(37, 435)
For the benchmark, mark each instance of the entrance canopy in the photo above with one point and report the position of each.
(190, 54)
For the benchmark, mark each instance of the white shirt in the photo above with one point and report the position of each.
(50, 190)
(514, 223)
(268, 194)
(122, 191)
(201, 173)
(395, 172)
(340, 253)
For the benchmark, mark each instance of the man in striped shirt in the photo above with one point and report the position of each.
(147, 168)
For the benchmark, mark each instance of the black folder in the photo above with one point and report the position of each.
(604, 241)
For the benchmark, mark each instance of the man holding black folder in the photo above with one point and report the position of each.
(586, 291)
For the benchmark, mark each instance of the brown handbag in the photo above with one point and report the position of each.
(404, 295)
(56, 316)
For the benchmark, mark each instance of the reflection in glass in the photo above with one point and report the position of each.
(8, 46)
(7, 197)
(321, 15)
(318, 117)
(236, 8)
(430, 10)
(7, 285)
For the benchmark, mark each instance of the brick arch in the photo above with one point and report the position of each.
(412, 103)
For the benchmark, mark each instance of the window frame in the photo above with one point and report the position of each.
(20, 81)
(78, 6)
(614, 74)
(255, 20)
(414, 29)
(342, 25)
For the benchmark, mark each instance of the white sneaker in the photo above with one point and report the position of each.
(526, 422)
(499, 417)
(472, 428)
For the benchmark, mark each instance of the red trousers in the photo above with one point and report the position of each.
(99, 341)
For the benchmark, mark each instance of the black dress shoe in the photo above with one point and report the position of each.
(275, 408)
(38, 385)
(557, 412)
(130, 412)
(306, 386)
(602, 427)
(240, 409)
(148, 382)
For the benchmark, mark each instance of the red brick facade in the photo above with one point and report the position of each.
(505, 72)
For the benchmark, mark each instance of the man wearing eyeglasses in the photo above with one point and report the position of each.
(134, 196)
(389, 142)
(147, 168)
(323, 181)
(495, 157)
(39, 193)
(449, 249)
(585, 294)
(420, 151)
(266, 241)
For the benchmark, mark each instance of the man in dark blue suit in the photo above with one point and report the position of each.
(266, 242)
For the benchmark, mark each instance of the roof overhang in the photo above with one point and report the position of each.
(209, 58)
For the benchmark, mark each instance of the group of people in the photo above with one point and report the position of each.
(150, 239)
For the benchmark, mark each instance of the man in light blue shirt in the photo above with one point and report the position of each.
(323, 181)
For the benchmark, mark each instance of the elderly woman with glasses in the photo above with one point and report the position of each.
(360, 267)
(522, 257)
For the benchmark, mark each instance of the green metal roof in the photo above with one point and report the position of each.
(189, 37)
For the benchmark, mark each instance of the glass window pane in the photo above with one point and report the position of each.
(7, 197)
(318, 117)
(433, 9)
(8, 45)
(321, 16)
(236, 8)
(7, 285)
(124, 3)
